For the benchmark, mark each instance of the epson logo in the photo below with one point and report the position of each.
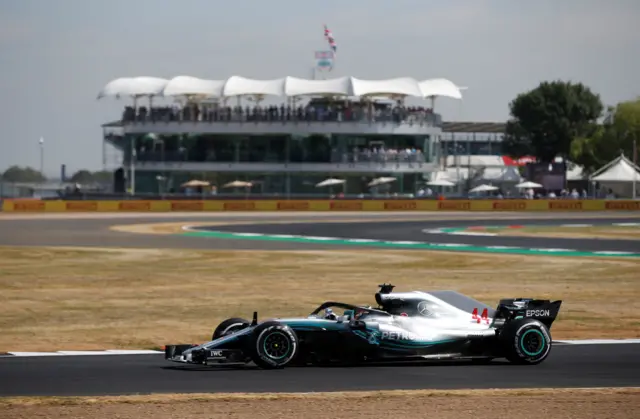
(216, 353)
(538, 313)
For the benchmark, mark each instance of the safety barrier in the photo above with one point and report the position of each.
(32, 205)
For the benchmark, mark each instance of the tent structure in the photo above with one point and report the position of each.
(619, 170)
(620, 175)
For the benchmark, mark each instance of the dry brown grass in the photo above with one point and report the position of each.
(603, 232)
(81, 298)
(479, 404)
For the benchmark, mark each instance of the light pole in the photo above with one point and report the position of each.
(41, 142)
(635, 162)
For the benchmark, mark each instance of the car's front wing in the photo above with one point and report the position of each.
(191, 354)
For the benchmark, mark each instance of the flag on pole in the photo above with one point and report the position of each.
(330, 39)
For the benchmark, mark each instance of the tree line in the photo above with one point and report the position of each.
(569, 120)
(17, 174)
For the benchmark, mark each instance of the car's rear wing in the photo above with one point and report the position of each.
(545, 311)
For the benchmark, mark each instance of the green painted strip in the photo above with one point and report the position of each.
(405, 245)
(450, 230)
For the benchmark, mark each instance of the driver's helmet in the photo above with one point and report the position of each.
(330, 315)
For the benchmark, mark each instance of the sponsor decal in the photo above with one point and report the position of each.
(454, 205)
(293, 205)
(345, 206)
(239, 206)
(398, 336)
(538, 313)
(509, 205)
(187, 206)
(424, 310)
(29, 206)
(401, 206)
(134, 206)
(622, 205)
(215, 353)
(565, 205)
(81, 206)
(484, 317)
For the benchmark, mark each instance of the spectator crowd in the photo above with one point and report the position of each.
(379, 155)
(323, 112)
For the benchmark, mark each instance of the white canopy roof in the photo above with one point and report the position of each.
(404, 86)
(187, 85)
(134, 86)
(287, 86)
(440, 87)
(303, 87)
(619, 170)
(239, 86)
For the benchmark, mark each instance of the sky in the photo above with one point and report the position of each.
(55, 56)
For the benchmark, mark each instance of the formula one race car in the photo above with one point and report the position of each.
(405, 326)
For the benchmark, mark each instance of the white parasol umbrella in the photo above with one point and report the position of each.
(330, 182)
(238, 184)
(195, 183)
(381, 181)
(484, 188)
(528, 185)
(441, 182)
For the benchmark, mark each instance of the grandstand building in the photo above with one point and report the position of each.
(223, 131)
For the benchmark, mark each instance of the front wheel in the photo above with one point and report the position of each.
(229, 326)
(273, 345)
(526, 341)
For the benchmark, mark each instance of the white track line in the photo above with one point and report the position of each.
(153, 352)
(87, 353)
(597, 341)
(471, 233)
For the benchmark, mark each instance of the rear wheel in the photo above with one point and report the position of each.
(273, 345)
(229, 326)
(526, 341)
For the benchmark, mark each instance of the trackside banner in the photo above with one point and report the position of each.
(34, 205)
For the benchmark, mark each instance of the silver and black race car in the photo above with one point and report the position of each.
(405, 326)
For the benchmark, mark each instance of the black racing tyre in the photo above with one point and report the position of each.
(230, 325)
(273, 345)
(526, 341)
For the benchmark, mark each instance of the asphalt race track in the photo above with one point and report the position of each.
(413, 231)
(614, 365)
(95, 232)
(593, 365)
